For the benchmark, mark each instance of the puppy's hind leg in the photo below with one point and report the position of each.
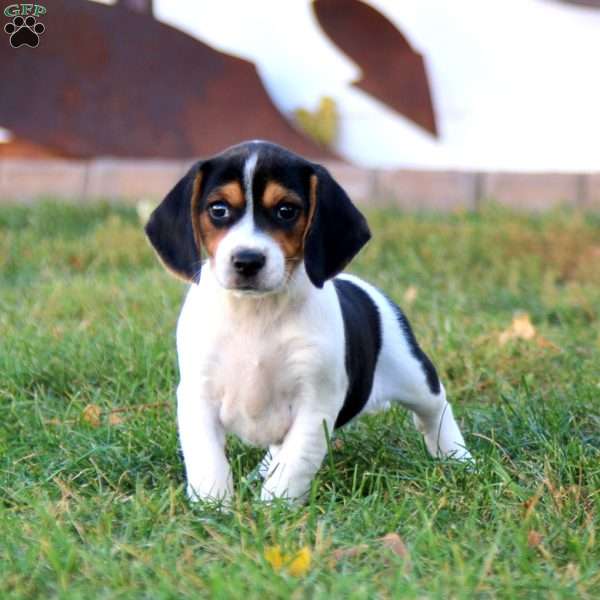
(433, 417)
(406, 375)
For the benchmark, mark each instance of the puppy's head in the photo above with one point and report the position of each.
(258, 211)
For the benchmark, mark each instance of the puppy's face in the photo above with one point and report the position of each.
(251, 214)
(257, 211)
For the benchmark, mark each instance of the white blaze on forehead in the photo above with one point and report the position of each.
(248, 179)
(245, 236)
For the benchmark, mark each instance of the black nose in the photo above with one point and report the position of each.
(248, 262)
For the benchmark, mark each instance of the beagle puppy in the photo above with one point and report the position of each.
(273, 343)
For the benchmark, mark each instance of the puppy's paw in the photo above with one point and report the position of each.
(273, 491)
(269, 496)
(443, 437)
(222, 496)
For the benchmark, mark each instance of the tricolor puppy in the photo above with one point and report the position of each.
(273, 344)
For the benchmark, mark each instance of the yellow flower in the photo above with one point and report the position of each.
(297, 564)
(273, 557)
(300, 563)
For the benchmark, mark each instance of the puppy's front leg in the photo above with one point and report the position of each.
(202, 441)
(299, 458)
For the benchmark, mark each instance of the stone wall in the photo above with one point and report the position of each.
(133, 180)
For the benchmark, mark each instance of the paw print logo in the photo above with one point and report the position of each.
(24, 32)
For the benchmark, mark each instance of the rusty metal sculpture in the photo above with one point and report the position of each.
(392, 71)
(105, 80)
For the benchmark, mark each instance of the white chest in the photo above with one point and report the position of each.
(250, 382)
(257, 368)
(257, 372)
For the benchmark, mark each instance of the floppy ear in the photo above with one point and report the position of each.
(170, 228)
(337, 230)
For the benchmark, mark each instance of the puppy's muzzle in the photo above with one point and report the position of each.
(248, 263)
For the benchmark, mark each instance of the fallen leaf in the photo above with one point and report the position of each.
(520, 328)
(534, 538)
(530, 504)
(391, 541)
(91, 414)
(542, 342)
(394, 542)
(300, 563)
(341, 553)
(76, 262)
(410, 295)
(115, 419)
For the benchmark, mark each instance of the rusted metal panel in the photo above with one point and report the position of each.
(392, 71)
(105, 80)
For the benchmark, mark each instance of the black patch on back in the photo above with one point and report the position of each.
(362, 327)
(433, 381)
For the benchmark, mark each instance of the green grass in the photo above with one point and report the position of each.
(87, 317)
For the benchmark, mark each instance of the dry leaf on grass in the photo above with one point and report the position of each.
(115, 419)
(530, 504)
(341, 553)
(542, 342)
(91, 414)
(534, 538)
(394, 542)
(520, 328)
(391, 541)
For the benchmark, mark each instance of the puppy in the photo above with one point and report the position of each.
(273, 344)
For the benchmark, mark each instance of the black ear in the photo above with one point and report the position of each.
(337, 230)
(170, 228)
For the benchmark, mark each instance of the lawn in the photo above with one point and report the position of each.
(91, 478)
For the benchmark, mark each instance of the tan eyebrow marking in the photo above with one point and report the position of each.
(275, 193)
(231, 192)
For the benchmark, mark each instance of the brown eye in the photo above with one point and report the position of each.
(219, 211)
(287, 212)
